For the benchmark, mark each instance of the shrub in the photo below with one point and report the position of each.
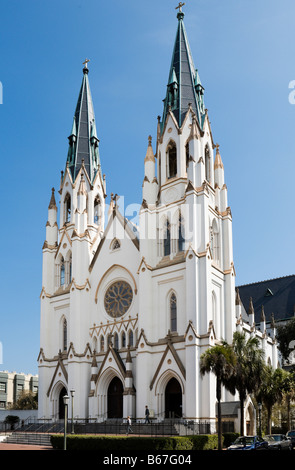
(131, 443)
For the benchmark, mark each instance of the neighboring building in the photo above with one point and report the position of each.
(127, 311)
(271, 301)
(12, 384)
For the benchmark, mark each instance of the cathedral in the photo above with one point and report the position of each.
(127, 310)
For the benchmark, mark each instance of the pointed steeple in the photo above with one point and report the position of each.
(184, 85)
(83, 141)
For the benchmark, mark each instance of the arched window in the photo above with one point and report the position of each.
(67, 206)
(70, 269)
(130, 338)
(62, 272)
(172, 160)
(187, 156)
(181, 239)
(214, 242)
(167, 239)
(96, 217)
(173, 312)
(116, 341)
(123, 340)
(101, 343)
(207, 164)
(65, 334)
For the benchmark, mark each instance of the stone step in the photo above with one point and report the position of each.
(28, 438)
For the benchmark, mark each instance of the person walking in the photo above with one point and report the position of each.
(147, 415)
(129, 429)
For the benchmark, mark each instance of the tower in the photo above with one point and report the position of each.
(67, 254)
(186, 279)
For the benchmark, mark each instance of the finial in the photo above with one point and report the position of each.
(150, 140)
(85, 69)
(180, 14)
(179, 7)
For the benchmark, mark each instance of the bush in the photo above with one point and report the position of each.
(131, 443)
(11, 420)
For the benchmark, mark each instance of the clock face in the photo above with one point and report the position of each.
(118, 298)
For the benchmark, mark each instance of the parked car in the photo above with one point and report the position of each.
(249, 443)
(291, 435)
(278, 442)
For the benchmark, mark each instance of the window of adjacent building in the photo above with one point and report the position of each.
(3, 387)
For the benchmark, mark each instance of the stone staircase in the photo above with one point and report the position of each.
(28, 438)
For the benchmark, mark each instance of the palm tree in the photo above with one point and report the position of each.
(289, 393)
(221, 361)
(271, 390)
(248, 370)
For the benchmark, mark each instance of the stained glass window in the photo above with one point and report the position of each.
(118, 299)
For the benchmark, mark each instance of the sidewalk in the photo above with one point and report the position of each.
(4, 446)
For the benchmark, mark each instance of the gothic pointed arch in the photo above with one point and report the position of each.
(67, 208)
(171, 152)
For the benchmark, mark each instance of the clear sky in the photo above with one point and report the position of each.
(244, 51)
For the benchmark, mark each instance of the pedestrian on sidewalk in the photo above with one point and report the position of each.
(129, 429)
(147, 415)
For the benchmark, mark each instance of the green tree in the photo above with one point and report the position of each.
(221, 361)
(271, 390)
(285, 336)
(27, 400)
(248, 370)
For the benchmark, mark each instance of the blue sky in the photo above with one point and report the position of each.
(244, 51)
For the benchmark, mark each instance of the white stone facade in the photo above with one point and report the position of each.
(176, 271)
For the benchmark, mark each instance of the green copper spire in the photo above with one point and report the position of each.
(184, 85)
(83, 141)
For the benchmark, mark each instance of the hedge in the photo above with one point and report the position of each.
(129, 443)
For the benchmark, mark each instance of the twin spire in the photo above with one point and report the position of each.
(83, 141)
(184, 87)
(184, 91)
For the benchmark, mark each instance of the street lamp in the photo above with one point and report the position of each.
(66, 399)
(72, 392)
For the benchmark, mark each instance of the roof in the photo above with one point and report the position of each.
(277, 296)
(184, 85)
(83, 141)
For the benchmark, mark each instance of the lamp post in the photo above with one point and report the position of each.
(72, 392)
(66, 403)
(259, 417)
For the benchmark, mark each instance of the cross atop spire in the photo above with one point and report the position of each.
(85, 69)
(179, 7)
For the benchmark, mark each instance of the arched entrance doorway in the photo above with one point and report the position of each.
(173, 399)
(115, 398)
(61, 406)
